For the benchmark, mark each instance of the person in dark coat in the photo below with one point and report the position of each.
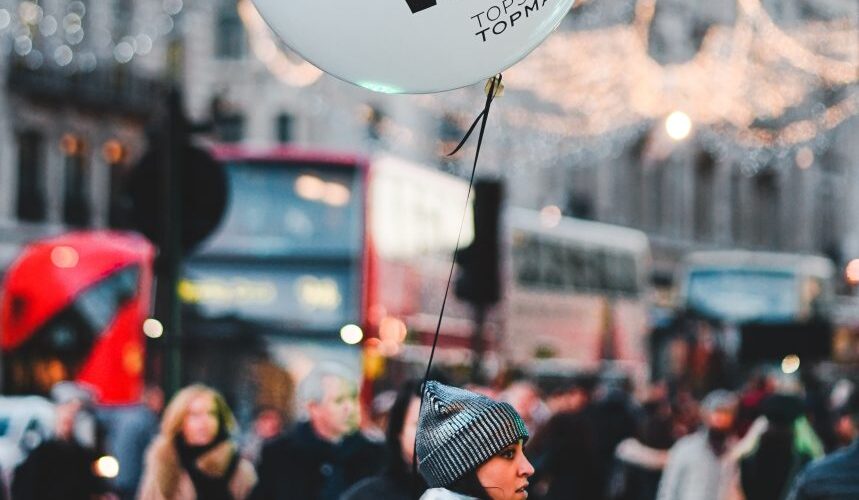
(324, 454)
(833, 477)
(566, 458)
(766, 474)
(397, 481)
(60, 468)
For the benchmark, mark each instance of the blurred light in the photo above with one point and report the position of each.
(678, 125)
(47, 26)
(144, 44)
(113, 152)
(29, 12)
(76, 37)
(790, 364)
(392, 330)
(310, 187)
(318, 293)
(23, 45)
(78, 8)
(123, 52)
(71, 145)
(351, 334)
(107, 467)
(336, 194)
(63, 55)
(852, 272)
(64, 257)
(172, 7)
(72, 23)
(550, 216)
(153, 328)
(165, 24)
(5, 19)
(87, 61)
(804, 157)
(34, 59)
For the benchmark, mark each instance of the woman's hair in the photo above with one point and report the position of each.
(395, 465)
(469, 485)
(177, 409)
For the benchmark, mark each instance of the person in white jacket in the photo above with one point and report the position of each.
(704, 465)
(470, 447)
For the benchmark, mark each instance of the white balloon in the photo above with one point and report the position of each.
(413, 46)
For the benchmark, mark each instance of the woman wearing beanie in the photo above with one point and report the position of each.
(193, 457)
(470, 447)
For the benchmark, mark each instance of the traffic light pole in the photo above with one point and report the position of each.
(171, 250)
(478, 343)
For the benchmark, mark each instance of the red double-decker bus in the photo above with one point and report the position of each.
(72, 307)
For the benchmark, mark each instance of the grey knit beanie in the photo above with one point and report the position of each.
(458, 430)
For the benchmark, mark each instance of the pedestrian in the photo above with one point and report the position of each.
(324, 454)
(397, 481)
(701, 466)
(267, 425)
(130, 431)
(61, 468)
(560, 473)
(194, 456)
(768, 471)
(640, 460)
(834, 477)
(470, 447)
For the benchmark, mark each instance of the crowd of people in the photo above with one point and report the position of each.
(776, 439)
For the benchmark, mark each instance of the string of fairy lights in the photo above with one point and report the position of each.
(755, 89)
(78, 36)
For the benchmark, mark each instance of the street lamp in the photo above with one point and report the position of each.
(678, 125)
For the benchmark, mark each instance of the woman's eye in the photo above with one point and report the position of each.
(508, 454)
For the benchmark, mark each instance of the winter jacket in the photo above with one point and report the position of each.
(443, 494)
(302, 466)
(834, 477)
(58, 470)
(694, 471)
(166, 479)
(637, 471)
(381, 487)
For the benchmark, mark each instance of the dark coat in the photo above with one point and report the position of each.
(58, 470)
(381, 487)
(834, 477)
(301, 466)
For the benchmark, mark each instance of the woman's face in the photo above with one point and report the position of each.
(410, 428)
(201, 423)
(505, 476)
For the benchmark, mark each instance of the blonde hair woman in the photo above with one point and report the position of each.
(194, 457)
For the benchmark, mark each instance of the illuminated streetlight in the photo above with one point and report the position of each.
(790, 364)
(107, 467)
(678, 125)
(550, 216)
(852, 272)
(153, 328)
(351, 334)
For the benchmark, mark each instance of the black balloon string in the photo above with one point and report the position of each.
(493, 88)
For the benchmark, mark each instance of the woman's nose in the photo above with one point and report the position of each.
(525, 467)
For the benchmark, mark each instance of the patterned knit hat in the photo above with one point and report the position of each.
(458, 430)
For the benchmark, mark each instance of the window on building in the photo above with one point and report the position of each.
(284, 126)
(231, 42)
(230, 127)
(31, 172)
(76, 199)
(705, 196)
(123, 15)
(766, 214)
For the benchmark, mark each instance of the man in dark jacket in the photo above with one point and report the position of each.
(60, 468)
(323, 455)
(834, 477)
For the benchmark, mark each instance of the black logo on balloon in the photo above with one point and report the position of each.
(419, 5)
